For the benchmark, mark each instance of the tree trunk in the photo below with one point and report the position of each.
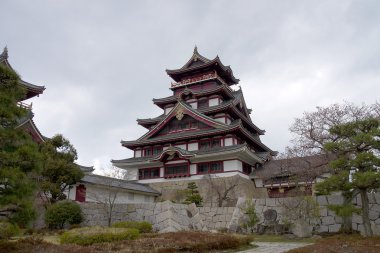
(365, 213)
(346, 220)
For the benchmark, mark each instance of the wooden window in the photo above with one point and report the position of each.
(177, 170)
(157, 150)
(202, 103)
(148, 173)
(247, 169)
(148, 151)
(204, 144)
(209, 167)
(215, 143)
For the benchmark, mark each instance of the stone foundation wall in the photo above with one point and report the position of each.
(328, 221)
(169, 217)
(208, 188)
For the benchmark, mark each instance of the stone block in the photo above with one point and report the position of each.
(375, 229)
(377, 198)
(377, 222)
(328, 220)
(335, 199)
(376, 208)
(371, 198)
(373, 215)
(334, 228)
(322, 200)
(323, 211)
(338, 220)
(260, 202)
(270, 202)
(357, 219)
(322, 229)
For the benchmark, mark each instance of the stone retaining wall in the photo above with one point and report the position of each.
(167, 216)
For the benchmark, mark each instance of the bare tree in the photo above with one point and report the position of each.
(221, 187)
(311, 133)
(112, 181)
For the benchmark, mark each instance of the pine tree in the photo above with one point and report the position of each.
(192, 195)
(19, 156)
(356, 170)
(59, 170)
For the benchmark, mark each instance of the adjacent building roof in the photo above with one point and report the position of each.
(296, 169)
(118, 183)
(31, 89)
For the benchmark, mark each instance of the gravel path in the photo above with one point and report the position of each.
(274, 247)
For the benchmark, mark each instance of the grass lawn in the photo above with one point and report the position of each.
(342, 243)
(153, 243)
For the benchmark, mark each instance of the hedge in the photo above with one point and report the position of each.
(142, 226)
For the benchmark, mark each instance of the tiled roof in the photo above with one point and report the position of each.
(32, 90)
(118, 183)
(291, 169)
(188, 67)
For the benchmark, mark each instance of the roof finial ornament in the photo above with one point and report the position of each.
(4, 54)
(195, 49)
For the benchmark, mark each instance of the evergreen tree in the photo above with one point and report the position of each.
(356, 170)
(59, 170)
(192, 195)
(19, 156)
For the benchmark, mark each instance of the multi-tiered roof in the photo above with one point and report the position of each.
(203, 106)
(32, 90)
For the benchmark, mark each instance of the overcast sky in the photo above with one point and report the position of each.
(103, 62)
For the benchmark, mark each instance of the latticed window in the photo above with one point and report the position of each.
(149, 173)
(175, 170)
(210, 167)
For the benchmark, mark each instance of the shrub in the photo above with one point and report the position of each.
(91, 235)
(60, 213)
(8, 230)
(24, 216)
(141, 226)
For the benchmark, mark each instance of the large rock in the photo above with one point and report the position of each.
(301, 229)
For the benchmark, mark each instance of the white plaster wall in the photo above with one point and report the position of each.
(220, 120)
(132, 174)
(162, 170)
(165, 148)
(192, 146)
(97, 193)
(213, 102)
(168, 109)
(194, 104)
(138, 153)
(228, 121)
(193, 169)
(193, 177)
(183, 146)
(259, 182)
(232, 165)
(228, 141)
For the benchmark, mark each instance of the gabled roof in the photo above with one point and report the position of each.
(198, 62)
(172, 152)
(186, 109)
